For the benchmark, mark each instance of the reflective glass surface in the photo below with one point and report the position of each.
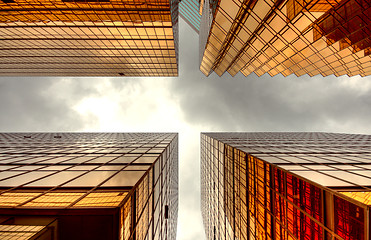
(130, 177)
(287, 186)
(89, 38)
(286, 37)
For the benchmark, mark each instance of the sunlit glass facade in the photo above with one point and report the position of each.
(88, 38)
(288, 37)
(286, 186)
(189, 10)
(65, 186)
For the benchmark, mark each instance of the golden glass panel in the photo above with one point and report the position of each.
(54, 199)
(101, 199)
(13, 199)
(19, 232)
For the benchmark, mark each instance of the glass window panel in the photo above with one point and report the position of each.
(90, 179)
(24, 178)
(126, 159)
(147, 159)
(322, 179)
(82, 167)
(57, 168)
(56, 179)
(102, 199)
(124, 178)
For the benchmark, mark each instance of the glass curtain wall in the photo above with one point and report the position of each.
(262, 196)
(288, 37)
(88, 38)
(125, 183)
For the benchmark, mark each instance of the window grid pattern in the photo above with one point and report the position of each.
(289, 37)
(134, 172)
(113, 38)
(20, 232)
(189, 11)
(287, 185)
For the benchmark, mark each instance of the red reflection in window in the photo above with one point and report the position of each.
(307, 198)
(349, 220)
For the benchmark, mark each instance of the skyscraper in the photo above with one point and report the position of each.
(288, 37)
(189, 11)
(88, 185)
(286, 186)
(88, 38)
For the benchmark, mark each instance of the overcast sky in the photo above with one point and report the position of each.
(189, 104)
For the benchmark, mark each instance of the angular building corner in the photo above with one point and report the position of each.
(286, 37)
(286, 186)
(89, 38)
(66, 186)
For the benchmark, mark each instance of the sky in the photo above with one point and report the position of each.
(188, 104)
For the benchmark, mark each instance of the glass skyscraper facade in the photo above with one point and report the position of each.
(189, 10)
(286, 186)
(88, 38)
(289, 37)
(88, 186)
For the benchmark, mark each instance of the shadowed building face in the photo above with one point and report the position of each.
(287, 186)
(89, 185)
(88, 38)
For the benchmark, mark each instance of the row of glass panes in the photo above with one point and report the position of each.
(99, 24)
(88, 43)
(132, 68)
(68, 159)
(86, 32)
(309, 158)
(93, 138)
(62, 199)
(76, 58)
(81, 67)
(65, 52)
(65, 145)
(113, 74)
(63, 178)
(155, 5)
(74, 14)
(70, 149)
(95, 72)
(166, 63)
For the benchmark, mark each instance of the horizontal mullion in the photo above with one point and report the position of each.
(85, 39)
(78, 26)
(83, 56)
(167, 9)
(105, 68)
(69, 63)
(87, 48)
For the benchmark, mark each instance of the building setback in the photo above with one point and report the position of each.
(289, 37)
(66, 186)
(286, 186)
(88, 38)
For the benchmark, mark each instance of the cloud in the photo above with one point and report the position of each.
(189, 105)
(35, 104)
(269, 103)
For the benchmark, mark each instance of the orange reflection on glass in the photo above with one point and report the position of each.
(57, 199)
(13, 199)
(102, 199)
(19, 231)
(363, 197)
